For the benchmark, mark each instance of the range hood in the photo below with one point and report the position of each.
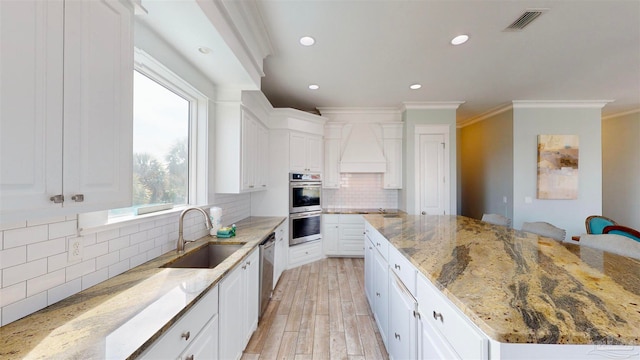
(362, 150)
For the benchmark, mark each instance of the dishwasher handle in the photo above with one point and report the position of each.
(269, 241)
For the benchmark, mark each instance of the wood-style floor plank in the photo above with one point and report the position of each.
(318, 311)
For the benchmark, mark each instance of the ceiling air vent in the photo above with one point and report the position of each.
(525, 19)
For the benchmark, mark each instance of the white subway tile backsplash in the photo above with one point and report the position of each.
(23, 272)
(12, 257)
(107, 260)
(119, 268)
(60, 229)
(94, 278)
(25, 236)
(78, 270)
(24, 307)
(34, 267)
(46, 248)
(45, 282)
(118, 243)
(65, 290)
(364, 191)
(13, 293)
(107, 235)
(94, 251)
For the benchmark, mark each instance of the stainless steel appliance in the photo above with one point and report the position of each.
(267, 247)
(304, 227)
(304, 192)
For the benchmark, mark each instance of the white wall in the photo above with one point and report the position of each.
(530, 122)
(621, 169)
(486, 166)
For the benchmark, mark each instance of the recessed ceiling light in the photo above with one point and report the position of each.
(205, 50)
(415, 86)
(314, 87)
(459, 40)
(307, 40)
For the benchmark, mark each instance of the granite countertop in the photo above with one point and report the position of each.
(120, 318)
(358, 211)
(518, 287)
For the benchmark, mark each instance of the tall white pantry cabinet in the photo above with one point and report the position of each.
(66, 106)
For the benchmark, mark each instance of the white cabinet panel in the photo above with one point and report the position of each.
(402, 321)
(305, 253)
(393, 153)
(331, 178)
(75, 61)
(305, 152)
(381, 293)
(281, 251)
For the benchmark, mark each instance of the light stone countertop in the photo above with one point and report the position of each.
(120, 317)
(518, 287)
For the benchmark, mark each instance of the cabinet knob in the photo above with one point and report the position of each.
(378, 294)
(57, 199)
(248, 263)
(437, 315)
(78, 198)
(424, 213)
(186, 335)
(397, 336)
(396, 266)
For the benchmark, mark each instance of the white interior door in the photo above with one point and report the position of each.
(433, 177)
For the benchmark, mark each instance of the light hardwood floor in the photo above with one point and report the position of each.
(318, 311)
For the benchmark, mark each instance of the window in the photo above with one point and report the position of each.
(169, 116)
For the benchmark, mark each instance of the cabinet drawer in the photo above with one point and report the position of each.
(381, 244)
(403, 268)
(182, 333)
(304, 253)
(352, 219)
(463, 336)
(331, 218)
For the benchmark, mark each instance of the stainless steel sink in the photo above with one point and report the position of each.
(206, 257)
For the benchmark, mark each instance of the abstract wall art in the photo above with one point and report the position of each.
(558, 167)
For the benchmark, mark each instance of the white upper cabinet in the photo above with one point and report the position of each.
(306, 152)
(331, 176)
(242, 144)
(66, 114)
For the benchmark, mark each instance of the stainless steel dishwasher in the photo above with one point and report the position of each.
(266, 270)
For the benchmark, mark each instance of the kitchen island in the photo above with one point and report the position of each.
(123, 316)
(520, 288)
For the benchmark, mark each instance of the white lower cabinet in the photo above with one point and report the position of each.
(369, 261)
(304, 253)
(239, 297)
(343, 235)
(381, 296)
(403, 322)
(196, 332)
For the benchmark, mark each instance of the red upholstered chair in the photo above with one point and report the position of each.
(622, 230)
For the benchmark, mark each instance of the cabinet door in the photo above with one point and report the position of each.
(249, 150)
(262, 167)
(331, 176)
(369, 262)
(252, 295)
(381, 307)
(31, 62)
(330, 234)
(98, 104)
(402, 323)
(393, 154)
(205, 345)
(314, 153)
(297, 154)
(280, 257)
(231, 314)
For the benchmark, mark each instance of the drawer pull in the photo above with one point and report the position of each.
(396, 266)
(416, 314)
(377, 244)
(378, 294)
(397, 336)
(437, 315)
(244, 267)
(186, 335)
(248, 263)
(190, 357)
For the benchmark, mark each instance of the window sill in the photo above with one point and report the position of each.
(92, 223)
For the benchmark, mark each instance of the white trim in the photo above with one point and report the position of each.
(445, 130)
(555, 104)
(484, 116)
(358, 110)
(624, 113)
(430, 105)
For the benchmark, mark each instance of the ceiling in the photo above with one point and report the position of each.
(367, 53)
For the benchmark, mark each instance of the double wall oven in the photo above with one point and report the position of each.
(305, 209)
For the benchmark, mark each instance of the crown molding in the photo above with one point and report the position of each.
(491, 113)
(559, 104)
(430, 105)
(624, 113)
(358, 110)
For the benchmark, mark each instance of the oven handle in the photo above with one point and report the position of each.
(305, 214)
(308, 184)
